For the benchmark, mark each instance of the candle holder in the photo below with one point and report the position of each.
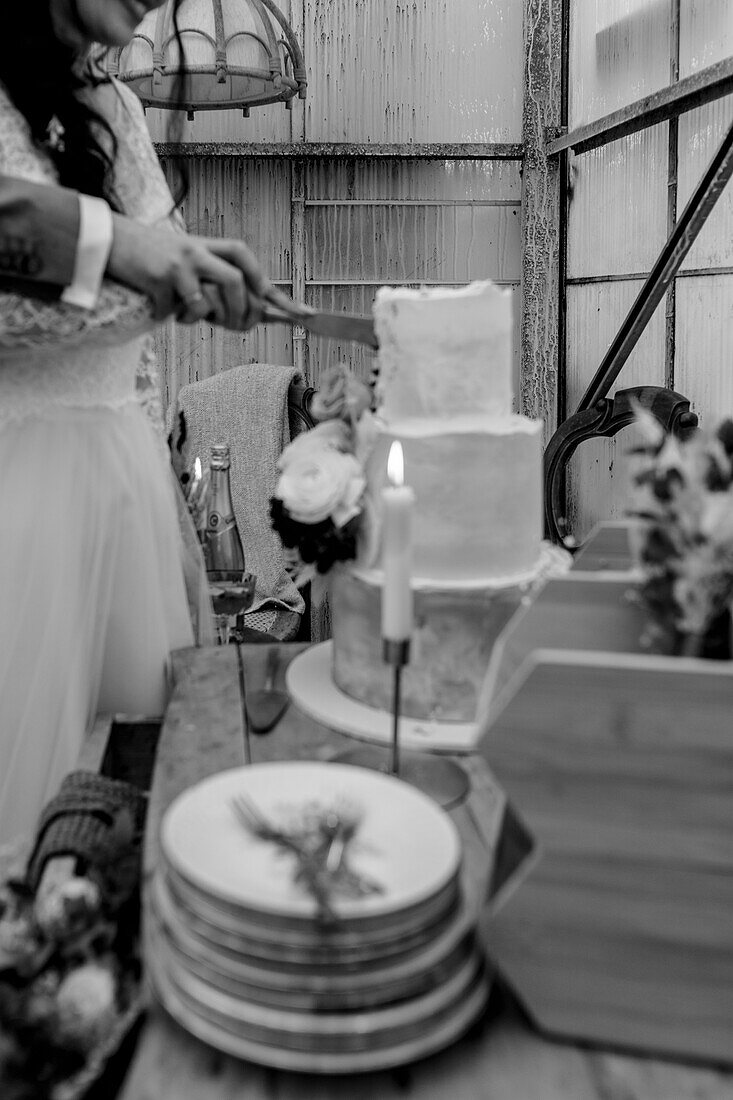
(442, 780)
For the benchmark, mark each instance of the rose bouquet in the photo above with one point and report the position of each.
(318, 504)
(683, 499)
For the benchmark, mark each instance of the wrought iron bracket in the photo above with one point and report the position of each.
(607, 417)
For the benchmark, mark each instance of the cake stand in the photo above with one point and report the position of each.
(312, 689)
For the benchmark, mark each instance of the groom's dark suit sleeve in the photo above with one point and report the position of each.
(39, 232)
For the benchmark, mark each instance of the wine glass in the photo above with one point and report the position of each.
(232, 593)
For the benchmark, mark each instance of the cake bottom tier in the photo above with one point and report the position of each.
(454, 635)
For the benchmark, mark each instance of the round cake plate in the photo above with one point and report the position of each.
(362, 978)
(311, 687)
(428, 1040)
(278, 935)
(404, 842)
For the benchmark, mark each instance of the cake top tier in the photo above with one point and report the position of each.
(443, 352)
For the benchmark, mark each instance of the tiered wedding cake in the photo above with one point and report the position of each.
(445, 392)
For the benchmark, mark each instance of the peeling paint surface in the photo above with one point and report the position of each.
(597, 474)
(413, 70)
(541, 215)
(344, 229)
(390, 71)
(619, 52)
(617, 224)
(381, 74)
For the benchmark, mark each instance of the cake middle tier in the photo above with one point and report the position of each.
(478, 497)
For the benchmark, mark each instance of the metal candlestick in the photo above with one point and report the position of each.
(441, 779)
(396, 654)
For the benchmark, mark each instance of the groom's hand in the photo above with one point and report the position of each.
(190, 277)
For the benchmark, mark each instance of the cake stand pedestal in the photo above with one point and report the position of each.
(311, 687)
(442, 780)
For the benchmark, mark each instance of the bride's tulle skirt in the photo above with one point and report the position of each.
(92, 591)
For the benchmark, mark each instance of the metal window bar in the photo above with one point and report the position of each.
(312, 150)
(596, 414)
(676, 99)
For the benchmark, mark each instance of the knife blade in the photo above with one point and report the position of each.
(338, 326)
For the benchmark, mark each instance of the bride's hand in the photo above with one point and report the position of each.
(191, 277)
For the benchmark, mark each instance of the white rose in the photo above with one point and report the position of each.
(85, 1006)
(333, 435)
(320, 482)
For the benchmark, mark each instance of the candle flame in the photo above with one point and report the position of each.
(197, 468)
(396, 464)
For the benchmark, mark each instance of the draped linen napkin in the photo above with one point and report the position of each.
(246, 407)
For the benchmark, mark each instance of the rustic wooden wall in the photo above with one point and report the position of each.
(399, 87)
(619, 216)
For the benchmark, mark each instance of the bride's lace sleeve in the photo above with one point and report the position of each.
(30, 323)
(141, 186)
(33, 322)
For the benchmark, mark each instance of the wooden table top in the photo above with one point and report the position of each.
(501, 1058)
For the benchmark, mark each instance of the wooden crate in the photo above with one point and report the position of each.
(621, 765)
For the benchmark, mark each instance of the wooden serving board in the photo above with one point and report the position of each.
(621, 764)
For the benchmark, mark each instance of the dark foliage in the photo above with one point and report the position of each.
(321, 544)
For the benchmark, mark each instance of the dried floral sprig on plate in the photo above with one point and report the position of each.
(683, 500)
(320, 840)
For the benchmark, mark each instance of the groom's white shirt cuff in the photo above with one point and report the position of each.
(92, 252)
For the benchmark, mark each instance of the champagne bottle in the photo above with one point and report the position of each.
(223, 551)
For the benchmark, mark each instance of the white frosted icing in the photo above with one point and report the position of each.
(478, 511)
(476, 471)
(444, 352)
(497, 425)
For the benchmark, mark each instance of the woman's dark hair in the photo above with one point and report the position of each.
(43, 78)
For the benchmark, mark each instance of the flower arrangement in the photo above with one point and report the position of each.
(683, 498)
(319, 501)
(69, 970)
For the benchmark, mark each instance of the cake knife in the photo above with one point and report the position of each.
(340, 326)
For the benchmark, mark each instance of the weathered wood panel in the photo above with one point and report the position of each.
(706, 33)
(432, 70)
(365, 223)
(617, 222)
(598, 472)
(619, 52)
(619, 217)
(700, 134)
(541, 116)
(247, 199)
(704, 367)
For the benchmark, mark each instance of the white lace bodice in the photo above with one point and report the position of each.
(53, 354)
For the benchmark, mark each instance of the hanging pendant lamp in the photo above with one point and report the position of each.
(238, 53)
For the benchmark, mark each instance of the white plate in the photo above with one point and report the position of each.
(429, 1038)
(405, 842)
(311, 687)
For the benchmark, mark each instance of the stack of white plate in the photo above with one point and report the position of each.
(239, 955)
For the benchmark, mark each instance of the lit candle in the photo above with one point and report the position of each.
(398, 502)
